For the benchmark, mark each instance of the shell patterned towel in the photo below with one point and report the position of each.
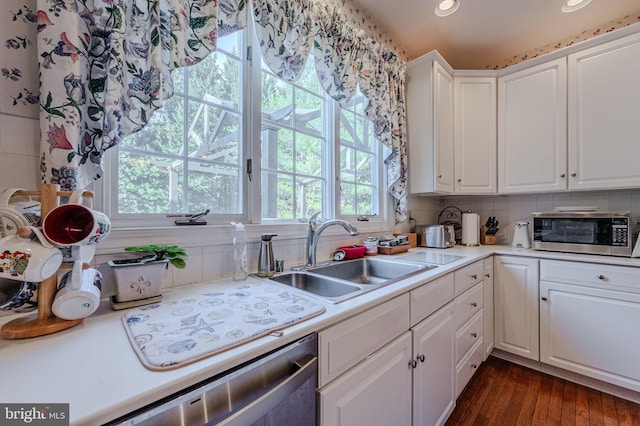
(179, 331)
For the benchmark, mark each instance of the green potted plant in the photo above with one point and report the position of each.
(140, 278)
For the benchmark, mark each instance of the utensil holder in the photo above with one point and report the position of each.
(43, 322)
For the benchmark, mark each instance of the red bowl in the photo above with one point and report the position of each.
(353, 252)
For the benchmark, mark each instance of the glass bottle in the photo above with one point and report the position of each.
(240, 263)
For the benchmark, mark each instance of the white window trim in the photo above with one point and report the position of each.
(220, 232)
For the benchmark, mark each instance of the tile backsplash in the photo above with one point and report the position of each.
(509, 209)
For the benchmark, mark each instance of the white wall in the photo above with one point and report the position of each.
(19, 152)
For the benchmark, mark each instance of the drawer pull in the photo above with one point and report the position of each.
(474, 276)
(544, 298)
(602, 277)
(474, 334)
(474, 366)
(421, 357)
(474, 304)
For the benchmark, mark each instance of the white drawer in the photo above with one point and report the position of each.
(625, 278)
(469, 334)
(430, 297)
(345, 344)
(468, 276)
(468, 366)
(469, 304)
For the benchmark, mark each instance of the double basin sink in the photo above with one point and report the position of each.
(343, 280)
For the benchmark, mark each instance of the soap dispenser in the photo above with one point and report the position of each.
(266, 263)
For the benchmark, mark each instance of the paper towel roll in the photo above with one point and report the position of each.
(470, 229)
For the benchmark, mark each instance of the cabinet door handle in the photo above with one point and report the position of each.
(421, 357)
(474, 366)
(413, 363)
(474, 276)
(474, 334)
(474, 304)
(487, 275)
(574, 174)
(602, 277)
(544, 298)
(562, 175)
(439, 176)
(459, 180)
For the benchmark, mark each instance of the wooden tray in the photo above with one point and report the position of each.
(394, 249)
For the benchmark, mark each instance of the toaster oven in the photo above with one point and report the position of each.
(438, 236)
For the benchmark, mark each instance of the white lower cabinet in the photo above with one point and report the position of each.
(469, 328)
(467, 367)
(346, 344)
(375, 392)
(488, 306)
(433, 380)
(516, 305)
(589, 316)
(406, 360)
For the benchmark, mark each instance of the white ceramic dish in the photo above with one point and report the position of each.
(17, 296)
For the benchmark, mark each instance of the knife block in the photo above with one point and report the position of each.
(486, 239)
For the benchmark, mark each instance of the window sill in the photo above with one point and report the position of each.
(215, 235)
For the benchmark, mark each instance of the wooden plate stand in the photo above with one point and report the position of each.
(43, 321)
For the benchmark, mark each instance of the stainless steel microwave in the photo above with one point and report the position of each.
(591, 232)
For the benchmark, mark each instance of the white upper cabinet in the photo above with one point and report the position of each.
(532, 129)
(475, 135)
(565, 124)
(429, 88)
(604, 123)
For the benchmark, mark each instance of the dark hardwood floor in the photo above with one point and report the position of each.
(503, 393)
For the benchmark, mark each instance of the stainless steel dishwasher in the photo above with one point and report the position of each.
(276, 389)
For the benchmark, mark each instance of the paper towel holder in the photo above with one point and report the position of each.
(470, 229)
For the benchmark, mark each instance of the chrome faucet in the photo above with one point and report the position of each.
(313, 234)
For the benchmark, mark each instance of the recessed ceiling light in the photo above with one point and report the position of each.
(573, 5)
(447, 7)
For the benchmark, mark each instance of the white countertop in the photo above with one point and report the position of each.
(93, 366)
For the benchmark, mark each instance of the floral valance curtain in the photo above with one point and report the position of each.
(105, 66)
(344, 57)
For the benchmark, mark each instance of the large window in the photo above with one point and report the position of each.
(201, 150)
(294, 139)
(190, 156)
(359, 161)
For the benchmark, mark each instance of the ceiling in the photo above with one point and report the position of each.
(486, 32)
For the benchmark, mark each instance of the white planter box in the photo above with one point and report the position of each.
(135, 281)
